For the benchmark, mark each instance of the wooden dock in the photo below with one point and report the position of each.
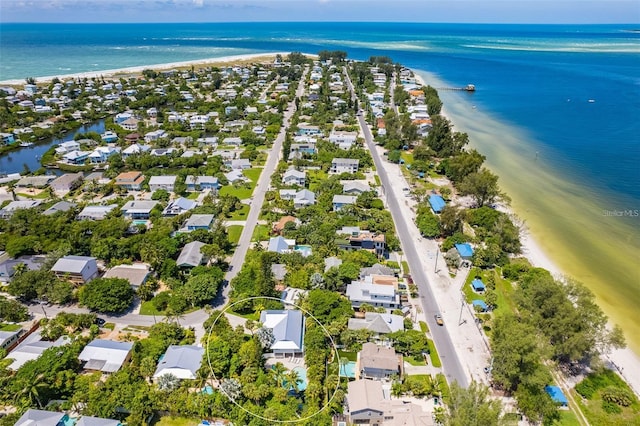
(467, 88)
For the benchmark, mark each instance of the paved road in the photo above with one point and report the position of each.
(452, 367)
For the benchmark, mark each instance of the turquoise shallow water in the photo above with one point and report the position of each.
(570, 165)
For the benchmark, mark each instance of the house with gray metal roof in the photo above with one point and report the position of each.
(136, 274)
(107, 356)
(288, 330)
(77, 269)
(191, 256)
(179, 206)
(199, 221)
(41, 418)
(14, 206)
(162, 182)
(96, 421)
(377, 323)
(138, 209)
(181, 361)
(95, 212)
(60, 206)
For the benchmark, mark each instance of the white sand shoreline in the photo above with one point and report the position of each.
(626, 361)
(138, 69)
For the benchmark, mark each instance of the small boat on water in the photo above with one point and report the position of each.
(25, 144)
(591, 101)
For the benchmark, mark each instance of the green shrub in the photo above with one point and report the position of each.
(610, 407)
(618, 396)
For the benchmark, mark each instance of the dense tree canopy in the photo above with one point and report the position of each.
(109, 295)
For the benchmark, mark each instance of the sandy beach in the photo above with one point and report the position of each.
(258, 57)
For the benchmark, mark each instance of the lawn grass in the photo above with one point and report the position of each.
(109, 326)
(147, 308)
(192, 195)
(242, 192)
(260, 233)
(253, 174)
(417, 363)
(351, 356)
(9, 327)
(405, 267)
(377, 178)
(234, 232)
(407, 157)
(254, 316)
(433, 354)
(424, 327)
(567, 418)
(40, 196)
(176, 421)
(240, 214)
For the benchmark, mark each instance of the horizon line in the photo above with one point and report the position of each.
(321, 22)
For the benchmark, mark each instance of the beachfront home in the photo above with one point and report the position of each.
(288, 331)
(182, 361)
(131, 181)
(344, 165)
(107, 356)
(76, 269)
(162, 182)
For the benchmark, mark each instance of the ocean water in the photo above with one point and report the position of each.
(556, 112)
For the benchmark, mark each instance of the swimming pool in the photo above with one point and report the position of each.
(348, 370)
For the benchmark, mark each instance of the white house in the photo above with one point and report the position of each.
(107, 356)
(162, 182)
(294, 177)
(344, 165)
(378, 295)
(344, 140)
(288, 330)
(181, 361)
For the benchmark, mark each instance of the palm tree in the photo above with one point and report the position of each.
(32, 391)
(168, 382)
(278, 372)
(265, 337)
(231, 388)
(292, 378)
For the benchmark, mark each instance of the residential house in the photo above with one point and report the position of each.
(136, 273)
(280, 245)
(199, 221)
(161, 152)
(299, 150)
(31, 348)
(368, 404)
(344, 165)
(77, 269)
(304, 198)
(66, 183)
(155, 135)
(68, 146)
(240, 164)
(14, 206)
(378, 295)
(182, 361)
(138, 209)
(95, 212)
(34, 417)
(377, 269)
(287, 194)
(135, 149)
(34, 181)
(131, 181)
(363, 240)
(235, 176)
(107, 356)
(191, 256)
(179, 206)
(76, 157)
(378, 362)
(377, 323)
(294, 177)
(308, 130)
(332, 262)
(96, 421)
(201, 183)
(102, 153)
(339, 201)
(60, 206)
(7, 138)
(288, 331)
(8, 265)
(9, 338)
(280, 225)
(344, 140)
(162, 182)
(232, 141)
(355, 187)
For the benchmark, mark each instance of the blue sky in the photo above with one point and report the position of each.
(481, 11)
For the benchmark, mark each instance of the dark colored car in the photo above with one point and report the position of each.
(100, 321)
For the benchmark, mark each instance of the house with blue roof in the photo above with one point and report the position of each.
(437, 203)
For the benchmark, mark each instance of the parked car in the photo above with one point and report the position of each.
(100, 321)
